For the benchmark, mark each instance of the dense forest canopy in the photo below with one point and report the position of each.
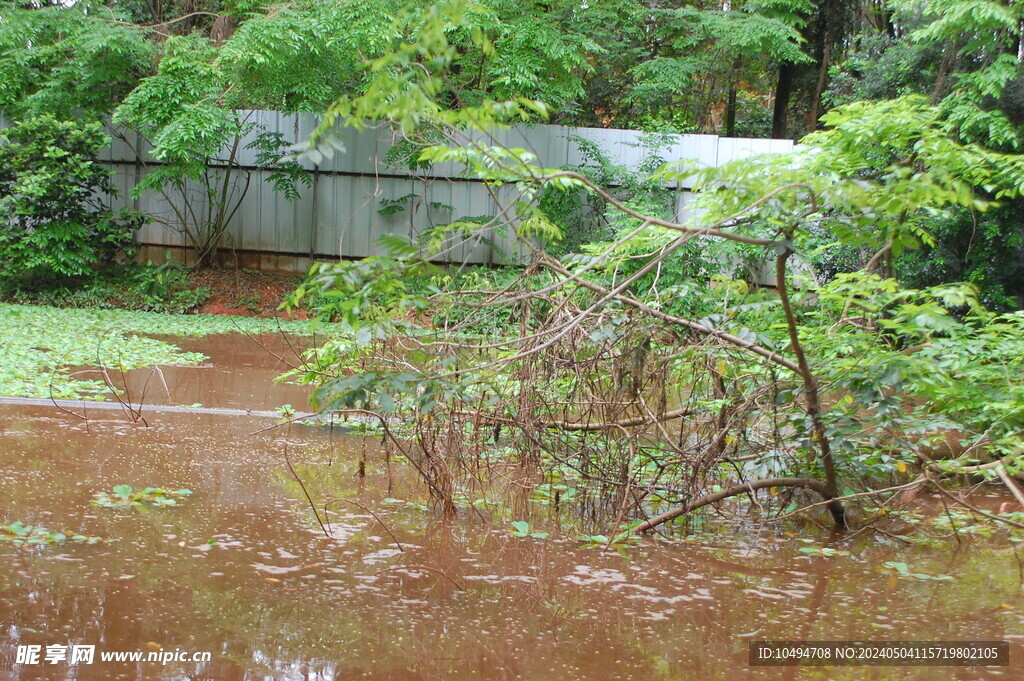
(752, 68)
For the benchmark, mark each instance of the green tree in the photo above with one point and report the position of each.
(64, 60)
(53, 221)
(703, 55)
(964, 57)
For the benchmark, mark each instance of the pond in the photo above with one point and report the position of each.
(241, 569)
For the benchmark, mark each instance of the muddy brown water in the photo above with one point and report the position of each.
(240, 374)
(242, 570)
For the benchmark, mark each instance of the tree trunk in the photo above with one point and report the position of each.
(828, 40)
(812, 398)
(730, 106)
(730, 113)
(783, 90)
(948, 51)
(812, 116)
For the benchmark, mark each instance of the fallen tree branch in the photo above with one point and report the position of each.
(581, 426)
(972, 507)
(1011, 485)
(807, 483)
(624, 423)
(367, 510)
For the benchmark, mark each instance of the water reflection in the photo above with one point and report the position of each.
(239, 374)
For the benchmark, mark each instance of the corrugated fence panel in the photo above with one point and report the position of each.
(340, 216)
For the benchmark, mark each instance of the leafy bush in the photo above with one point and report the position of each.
(908, 367)
(162, 288)
(984, 248)
(53, 223)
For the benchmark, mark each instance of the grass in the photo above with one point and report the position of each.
(38, 344)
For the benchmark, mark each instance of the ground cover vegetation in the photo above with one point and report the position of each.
(634, 355)
(45, 348)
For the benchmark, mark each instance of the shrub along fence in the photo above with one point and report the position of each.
(356, 196)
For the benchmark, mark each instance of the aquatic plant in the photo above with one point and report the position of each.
(521, 528)
(20, 533)
(42, 343)
(125, 497)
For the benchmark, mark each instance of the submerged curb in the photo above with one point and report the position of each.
(96, 404)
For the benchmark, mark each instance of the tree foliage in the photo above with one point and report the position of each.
(632, 367)
(53, 221)
(68, 60)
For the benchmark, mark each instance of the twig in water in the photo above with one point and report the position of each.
(312, 505)
(986, 514)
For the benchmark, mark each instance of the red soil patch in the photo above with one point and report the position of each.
(246, 293)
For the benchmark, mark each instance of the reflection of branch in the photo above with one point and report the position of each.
(815, 608)
(424, 567)
(408, 457)
(363, 507)
(53, 375)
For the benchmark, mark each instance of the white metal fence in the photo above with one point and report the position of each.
(339, 216)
